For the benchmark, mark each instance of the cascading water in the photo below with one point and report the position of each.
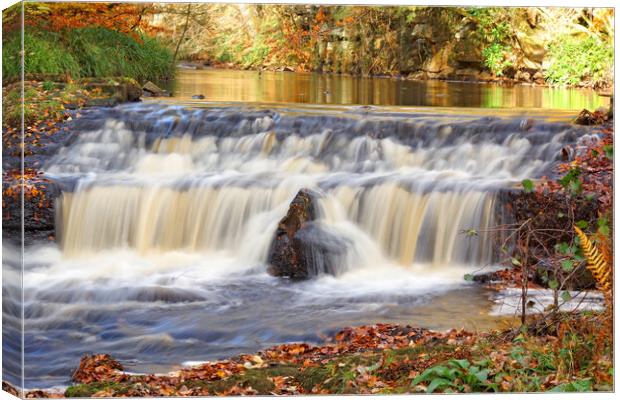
(165, 225)
(208, 180)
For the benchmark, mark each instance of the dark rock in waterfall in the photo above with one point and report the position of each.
(302, 247)
(198, 96)
(286, 253)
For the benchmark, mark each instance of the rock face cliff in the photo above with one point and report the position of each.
(452, 48)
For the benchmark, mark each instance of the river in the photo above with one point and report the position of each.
(313, 88)
(165, 228)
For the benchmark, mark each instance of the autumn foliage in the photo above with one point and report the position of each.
(127, 18)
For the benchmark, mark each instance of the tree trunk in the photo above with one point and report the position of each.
(176, 51)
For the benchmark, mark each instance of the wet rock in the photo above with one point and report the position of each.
(302, 247)
(96, 368)
(285, 256)
(533, 16)
(103, 102)
(468, 74)
(40, 196)
(117, 90)
(488, 276)
(538, 75)
(533, 46)
(418, 75)
(586, 117)
(523, 76)
(198, 96)
(438, 63)
(7, 387)
(539, 78)
(468, 52)
(152, 89)
(38, 394)
(485, 76)
(133, 91)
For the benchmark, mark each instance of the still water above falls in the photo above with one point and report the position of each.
(315, 88)
(168, 214)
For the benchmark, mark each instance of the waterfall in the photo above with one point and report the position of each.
(399, 187)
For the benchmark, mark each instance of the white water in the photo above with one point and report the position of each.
(397, 203)
(165, 234)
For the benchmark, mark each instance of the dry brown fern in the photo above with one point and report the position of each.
(601, 270)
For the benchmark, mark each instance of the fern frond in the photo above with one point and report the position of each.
(604, 247)
(600, 269)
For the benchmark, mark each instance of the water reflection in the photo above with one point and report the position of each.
(289, 87)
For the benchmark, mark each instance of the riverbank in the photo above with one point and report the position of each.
(566, 354)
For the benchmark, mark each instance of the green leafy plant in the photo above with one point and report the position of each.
(493, 28)
(47, 85)
(583, 385)
(495, 58)
(574, 59)
(456, 375)
(528, 185)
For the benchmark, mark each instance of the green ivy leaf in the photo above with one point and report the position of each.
(603, 225)
(528, 185)
(566, 296)
(562, 248)
(543, 274)
(567, 265)
(609, 151)
(575, 186)
(468, 277)
(582, 224)
(553, 284)
(570, 176)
